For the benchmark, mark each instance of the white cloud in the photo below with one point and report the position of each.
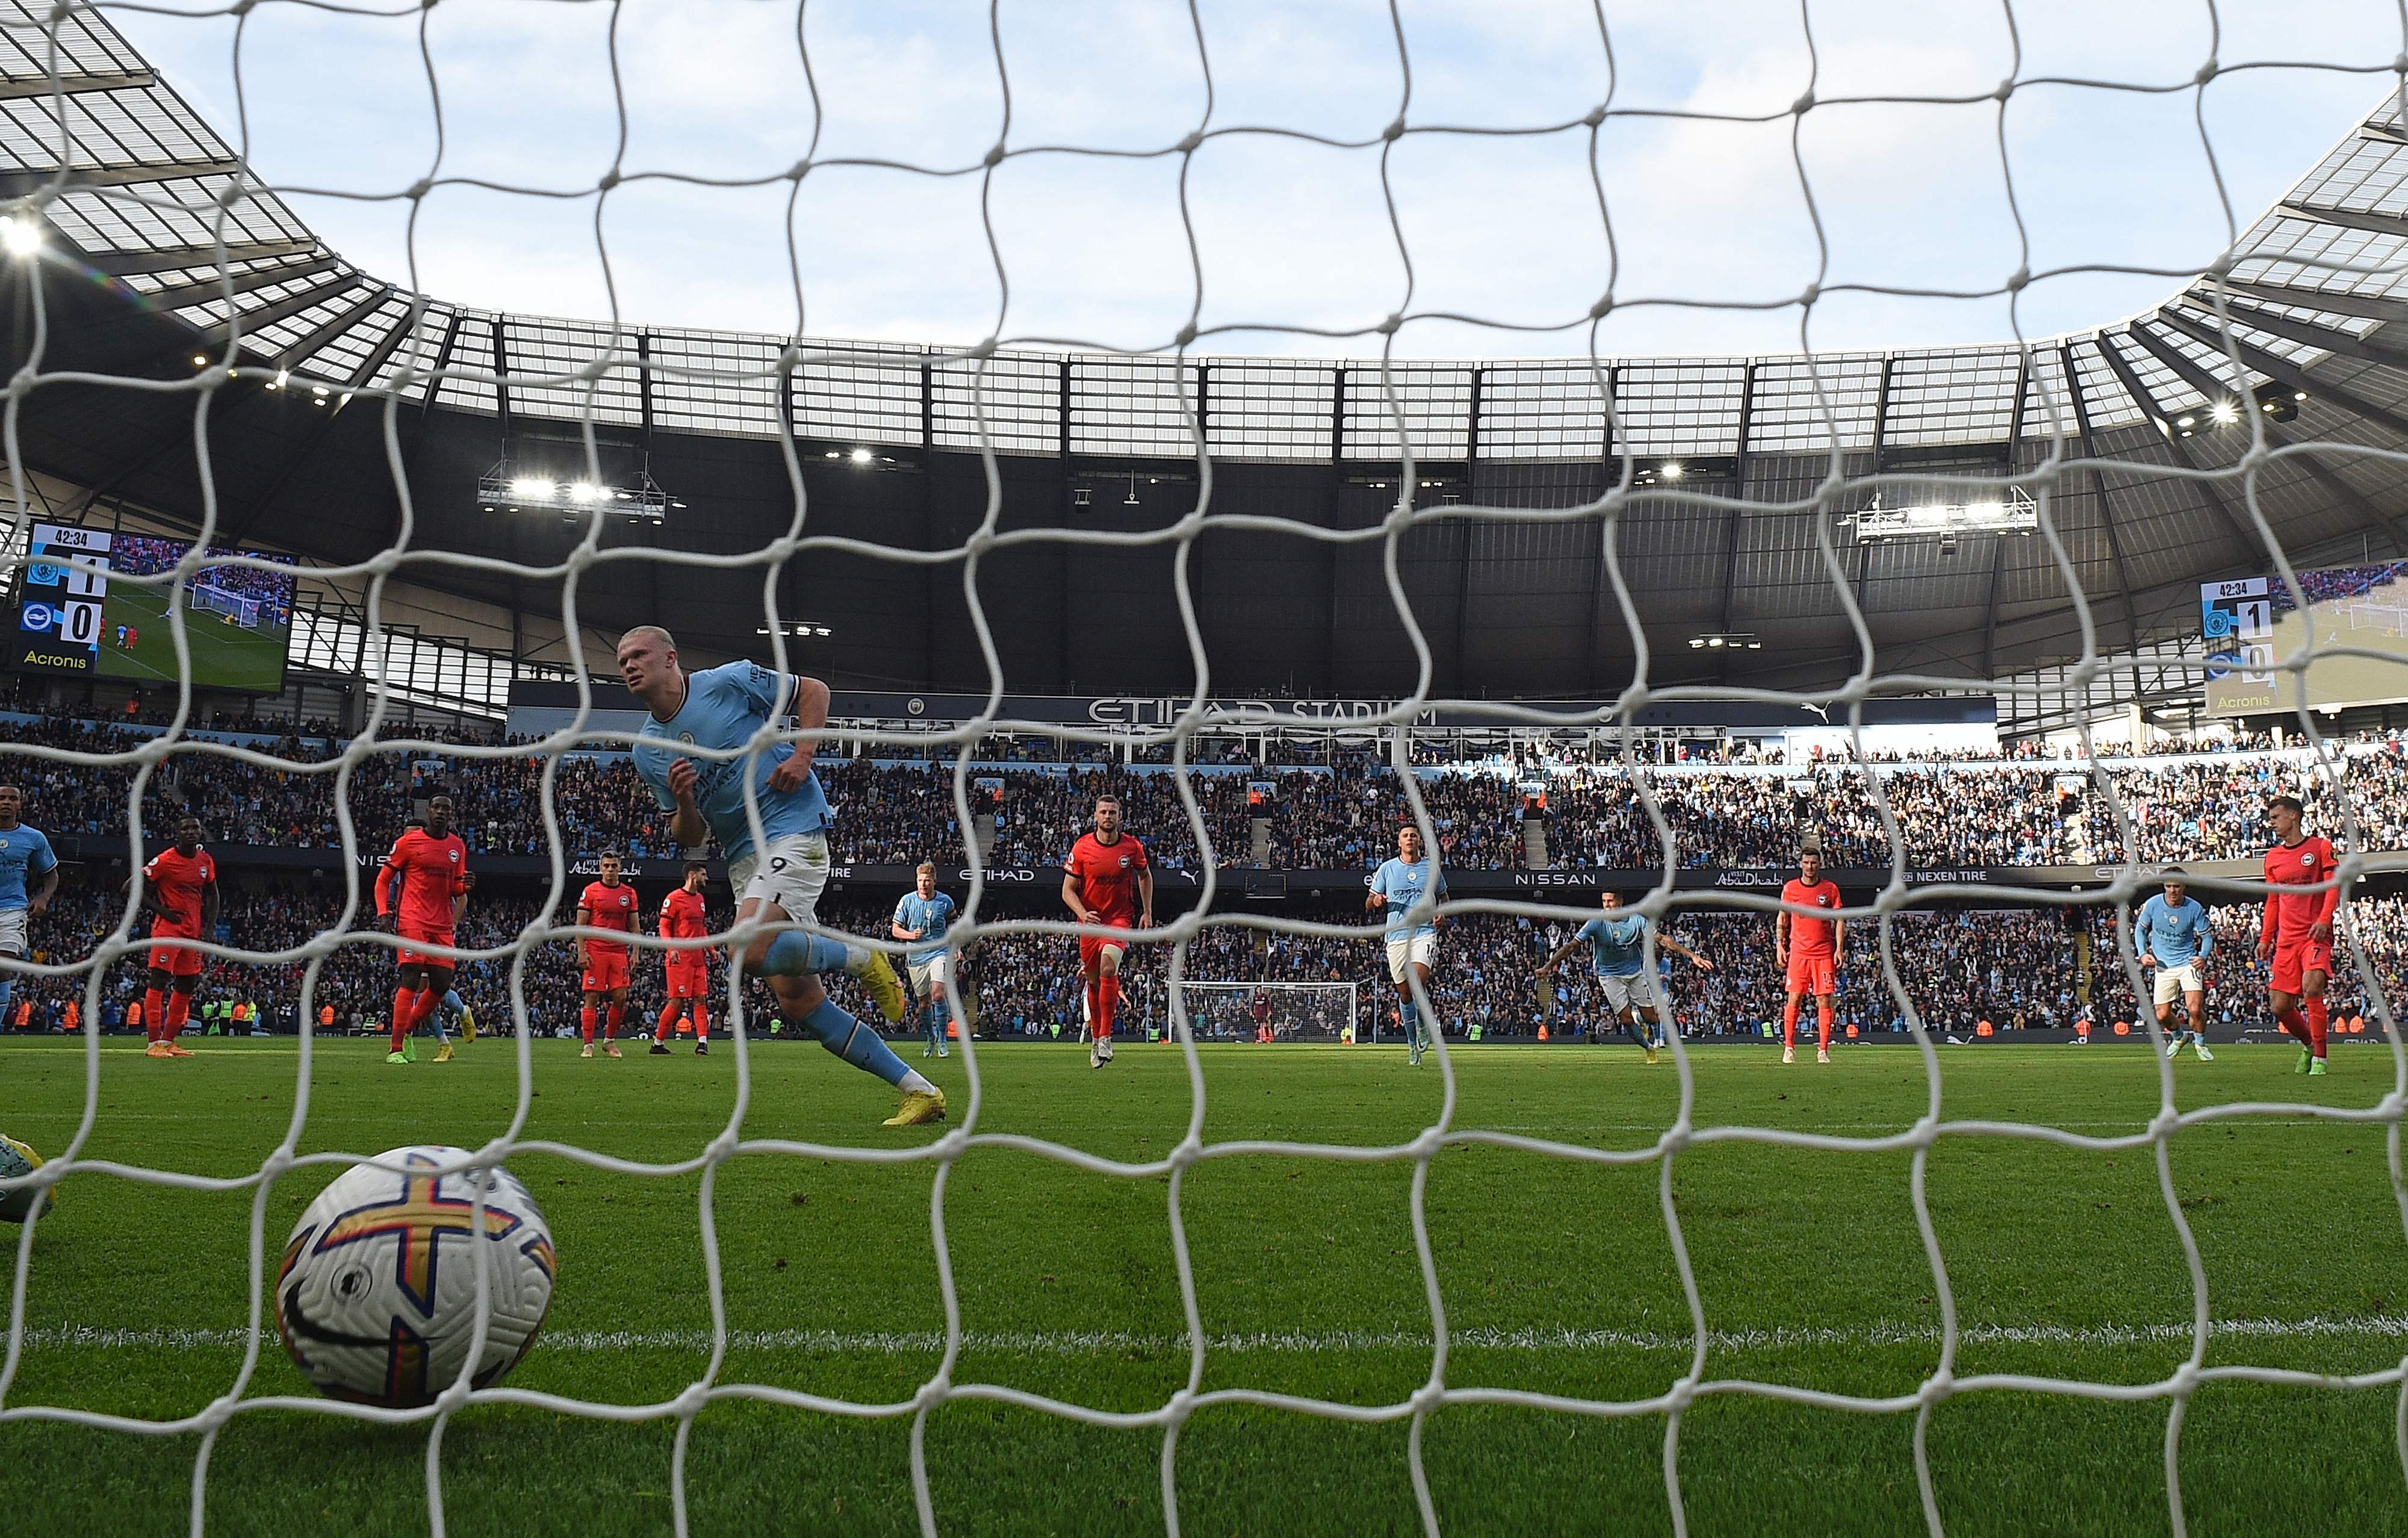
(1290, 234)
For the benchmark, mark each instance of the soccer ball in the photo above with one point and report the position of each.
(377, 1295)
(17, 1161)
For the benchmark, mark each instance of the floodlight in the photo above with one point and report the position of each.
(1672, 470)
(862, 456)
(200, 360)
(584, 491)
(22, 237)
(2185, 422)
(528, 488)
(2225, 413)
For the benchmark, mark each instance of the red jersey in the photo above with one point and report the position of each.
(431, 874)
(1809, 936)
(178, 879)
(609, 908)
(1107, 876)
(681, 919)
(2290, 914)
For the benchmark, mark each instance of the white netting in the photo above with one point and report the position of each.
(1288, 1011)
(979, 404)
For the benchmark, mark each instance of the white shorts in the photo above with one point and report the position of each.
(928, 978)
(2174, 980)
(1635, 991)
(791, 871)
(1404, 950)
(13, 931)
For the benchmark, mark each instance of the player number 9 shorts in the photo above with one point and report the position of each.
(1404, 950)
(791, 872)
(2178, 980)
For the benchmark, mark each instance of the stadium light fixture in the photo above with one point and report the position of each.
(862, 456)
(639, 499)
(22, 236)
(1672, 470)
(2014, 514)
(200, 360)
(1731, 640)
(2225, 413)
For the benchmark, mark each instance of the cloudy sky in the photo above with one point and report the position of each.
(1712, 237)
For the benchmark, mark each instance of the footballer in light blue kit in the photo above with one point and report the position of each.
(1617, 944)
(1396, 885)
(2173, 934)
(723, 708)
(23, 852)
(922, 919)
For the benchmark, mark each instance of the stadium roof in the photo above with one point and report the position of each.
(163, 248)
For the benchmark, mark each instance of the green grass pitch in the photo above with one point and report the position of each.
(225, 657)
(1557, 1278)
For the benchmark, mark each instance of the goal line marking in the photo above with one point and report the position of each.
(1076, 1343)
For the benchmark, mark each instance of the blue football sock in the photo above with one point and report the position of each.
(451, 1007)
(795, 954)
(7, 992)
(854, 1041)
(1412, 1024)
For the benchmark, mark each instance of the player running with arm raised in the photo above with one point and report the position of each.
(922, 917)
(423, 887)
(723, 708)
(1399, 885)
(2176, 939)
(1618, 945)
(23, 852)
(1106, 880)
(687, 972)
(609, 903)
(180, 887)
(2297, 932)
(1807, 949)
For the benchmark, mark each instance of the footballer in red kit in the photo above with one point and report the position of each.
(180, 888)
(688, 970)
(1106, 882)
(1807, 950)
(2295, 934)
(422, 886)
(609, 903)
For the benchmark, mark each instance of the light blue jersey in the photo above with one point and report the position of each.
(1619, 945)
(723, 707)
(931, 916)
(1403, 885)
(23, 852)
(2176, 936)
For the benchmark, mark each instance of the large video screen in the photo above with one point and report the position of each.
(2254, 621)
(238, 620)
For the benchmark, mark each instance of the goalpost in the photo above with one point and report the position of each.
(1293, 1012)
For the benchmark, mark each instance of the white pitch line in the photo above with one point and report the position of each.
(1306, 1343)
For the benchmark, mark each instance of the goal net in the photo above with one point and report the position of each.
(234, 605)
(1405, 360)
(1274, 1012)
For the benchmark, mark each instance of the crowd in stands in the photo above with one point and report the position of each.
(1340, 817)
(2014, 969)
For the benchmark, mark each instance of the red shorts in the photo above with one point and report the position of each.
(1092, 947)
(2295, 958)
(424, 936)
(689, 979)
(168, 956)
(605, 970)
(1814, 974)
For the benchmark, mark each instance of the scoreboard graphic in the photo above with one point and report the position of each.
(59, 607)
